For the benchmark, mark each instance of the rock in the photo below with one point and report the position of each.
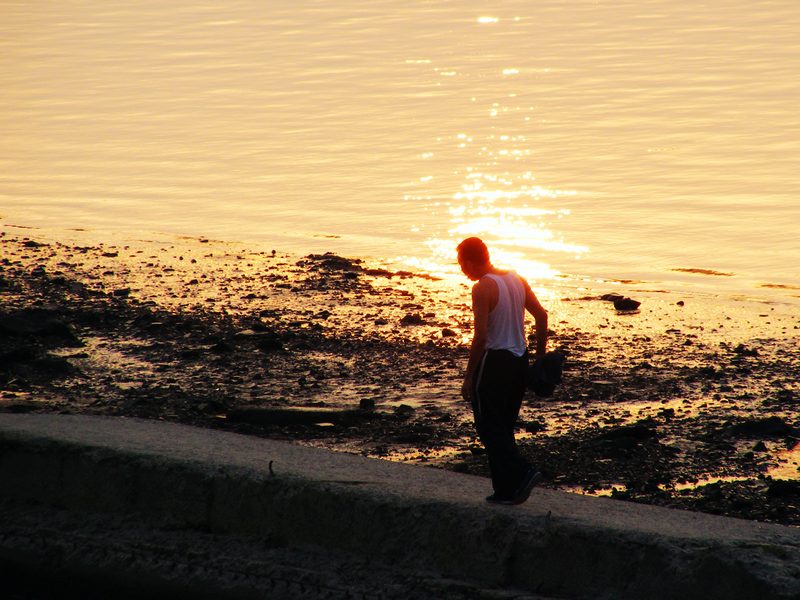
(448, 333)
(760, 447)
(412, 319)
(381, 321)
(743, 350)
(781, 488)
(611, 297)
(366, 404)
(121, 293)
(332, 262)
(379, 272)
(221, 347)
(35, 365)
(626, 304)
(667, 413)
(270, 343)
(39, 323)
(680, 303)
(769, 426)
(534, 426)
(16, 356)
(404, 411)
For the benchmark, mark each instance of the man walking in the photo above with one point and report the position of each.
(494, 382)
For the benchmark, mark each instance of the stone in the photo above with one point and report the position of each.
(626, 304)
(769, 426)
(412, 319)
(783, 487)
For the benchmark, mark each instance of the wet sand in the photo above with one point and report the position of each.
(680, 403)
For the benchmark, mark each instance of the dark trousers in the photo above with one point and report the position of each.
(499, 388)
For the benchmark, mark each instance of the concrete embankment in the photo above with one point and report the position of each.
(225, 488)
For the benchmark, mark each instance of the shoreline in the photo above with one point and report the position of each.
(654, 405)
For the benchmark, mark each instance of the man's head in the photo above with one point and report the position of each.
(473, 256)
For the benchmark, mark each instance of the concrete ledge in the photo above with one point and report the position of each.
(557, 544)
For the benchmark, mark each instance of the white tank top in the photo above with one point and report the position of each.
(507, 318)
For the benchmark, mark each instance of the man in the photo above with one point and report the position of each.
(494, 382)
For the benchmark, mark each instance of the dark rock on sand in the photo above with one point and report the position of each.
(6, 285)
(412, 319)
(743, 350)
(16, 356)
(784, 488)
(535, 426)
(42, 324)
(270, 343)
(404, 411)
(769, 426)
(35, 365)
(620, 439)
(333, 262)
(221, 347)
(626, 304)
(379, 273)
(266, 339)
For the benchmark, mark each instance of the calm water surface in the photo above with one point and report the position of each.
(585, 141)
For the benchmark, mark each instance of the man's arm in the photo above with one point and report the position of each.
(480, 310)
(539, 313)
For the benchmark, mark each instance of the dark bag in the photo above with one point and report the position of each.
(545, 373)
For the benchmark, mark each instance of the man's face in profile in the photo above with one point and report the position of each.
(468, 268)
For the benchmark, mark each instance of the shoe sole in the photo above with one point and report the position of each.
(525, 491)
(493, 500)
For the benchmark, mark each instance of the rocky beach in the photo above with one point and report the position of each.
(679, 402)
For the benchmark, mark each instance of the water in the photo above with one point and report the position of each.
(586, 141)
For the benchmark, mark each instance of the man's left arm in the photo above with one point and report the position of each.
(480, 311)
(533, 306)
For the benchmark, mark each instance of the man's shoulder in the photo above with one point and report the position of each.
(485, 286)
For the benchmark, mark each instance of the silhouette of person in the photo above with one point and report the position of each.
(494, 382)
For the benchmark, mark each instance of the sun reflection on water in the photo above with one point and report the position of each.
(513, 216)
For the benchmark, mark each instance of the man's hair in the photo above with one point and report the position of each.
(474, 249)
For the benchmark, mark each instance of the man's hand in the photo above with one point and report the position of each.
(466, 390)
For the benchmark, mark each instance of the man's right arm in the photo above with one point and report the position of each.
(480, 311)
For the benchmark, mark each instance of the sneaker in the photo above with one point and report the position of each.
(532, 477)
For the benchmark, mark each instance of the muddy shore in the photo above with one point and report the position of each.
(661, 405)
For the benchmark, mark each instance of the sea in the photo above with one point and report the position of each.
(649, 143)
